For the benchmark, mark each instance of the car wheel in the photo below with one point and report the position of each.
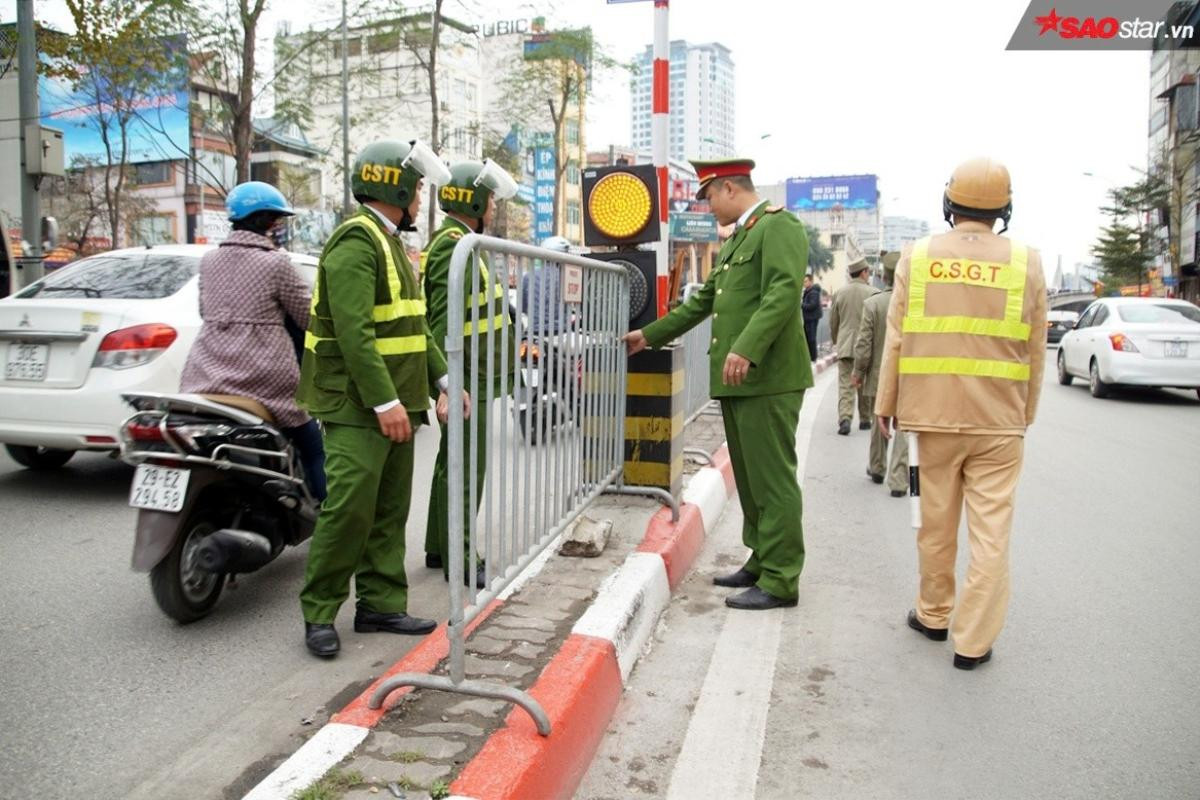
(1095, 383)
(1064, 377)
(38, 457)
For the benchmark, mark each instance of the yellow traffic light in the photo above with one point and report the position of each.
(620, 205)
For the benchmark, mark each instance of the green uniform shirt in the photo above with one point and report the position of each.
(343, 375)
(753, 294)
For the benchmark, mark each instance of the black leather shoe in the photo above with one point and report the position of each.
(898, 493)
(874, 476)
(377, 622)
(936, 634)
(480, 577)
(321, 639)
(968, 662)
(863, 425)
(736, 580)
(844, 428)
(755, 599)
(433, 561)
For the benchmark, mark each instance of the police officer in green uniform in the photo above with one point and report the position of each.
(759, 367)
(369, 361)
(469, 200)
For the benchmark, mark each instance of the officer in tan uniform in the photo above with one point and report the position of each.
(845, 314)
(868, 356)
(963, 367)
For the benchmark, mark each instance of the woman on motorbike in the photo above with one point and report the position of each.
(248, 292)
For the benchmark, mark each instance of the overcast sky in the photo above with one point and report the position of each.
(902, 90)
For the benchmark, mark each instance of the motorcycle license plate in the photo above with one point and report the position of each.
(159, 488)
(1176, 349)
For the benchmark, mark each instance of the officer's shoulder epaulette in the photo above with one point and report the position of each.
(455, 235)
(772, 209)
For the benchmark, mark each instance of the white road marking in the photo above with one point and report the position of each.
(330, 745)
(723, 747)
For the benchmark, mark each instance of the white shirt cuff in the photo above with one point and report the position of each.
(443, 383)
(386, 407)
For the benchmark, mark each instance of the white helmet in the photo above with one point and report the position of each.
(558, 243)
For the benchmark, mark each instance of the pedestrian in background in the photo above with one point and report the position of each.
(758, 370)
(845, 314)
(811, 306)
(963, 363)
(868, 356)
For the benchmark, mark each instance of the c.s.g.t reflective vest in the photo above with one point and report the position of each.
(967, 335)
(368, 341)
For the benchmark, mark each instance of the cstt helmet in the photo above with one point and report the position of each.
(254, 196)
(389, 170)
(979, 187)
(470, 186)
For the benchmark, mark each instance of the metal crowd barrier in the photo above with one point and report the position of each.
(554, 444)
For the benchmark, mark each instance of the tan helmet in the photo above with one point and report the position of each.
(979, 187)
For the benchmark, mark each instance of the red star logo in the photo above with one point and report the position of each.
(1048, 23)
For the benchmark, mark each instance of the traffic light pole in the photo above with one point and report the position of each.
(29, 265)
(658, 139)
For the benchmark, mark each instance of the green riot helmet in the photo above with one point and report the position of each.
(470, 186)
(389, 170)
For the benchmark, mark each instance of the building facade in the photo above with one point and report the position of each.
(897, 231)
(702, 121)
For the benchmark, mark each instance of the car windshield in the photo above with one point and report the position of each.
(1159, 312)
(132, 276)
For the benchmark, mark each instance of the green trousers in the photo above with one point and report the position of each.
(761, 432)
(895, 469)
(360, 532)
(437, 522)
(847, 394)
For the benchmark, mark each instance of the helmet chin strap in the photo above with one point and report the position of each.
(406, 222)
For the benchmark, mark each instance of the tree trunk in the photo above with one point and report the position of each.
(243, 111)
(435, 34)
(559, 117)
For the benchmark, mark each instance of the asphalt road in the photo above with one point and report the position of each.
(1092, 691)
(104, 697)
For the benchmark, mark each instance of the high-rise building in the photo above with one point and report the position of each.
(899, 230)
(702, 120)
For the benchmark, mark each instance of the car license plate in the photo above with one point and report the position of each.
(26, 362)
(1175, 349)
(159, 488)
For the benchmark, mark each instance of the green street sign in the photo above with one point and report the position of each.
(690, 226)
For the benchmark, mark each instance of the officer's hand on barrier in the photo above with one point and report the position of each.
(635, 342)
(394, 424)
(885, 426)
(736, 368)
(442, 409)
(466, 405)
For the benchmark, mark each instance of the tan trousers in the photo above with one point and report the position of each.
(983, 471)
(877, 458)
(846, 392)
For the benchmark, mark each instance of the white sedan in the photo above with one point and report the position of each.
(1133, 341)
(71, 343)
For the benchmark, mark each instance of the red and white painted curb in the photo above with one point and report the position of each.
(580, 687)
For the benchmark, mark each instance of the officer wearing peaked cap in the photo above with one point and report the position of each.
(845, 314)
(759, 367)
(369, 362)
(962, 367)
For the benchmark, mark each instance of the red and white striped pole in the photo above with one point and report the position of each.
(658, 140)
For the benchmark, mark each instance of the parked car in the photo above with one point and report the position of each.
(1134, 341)
(1058, 323)
(73, 342)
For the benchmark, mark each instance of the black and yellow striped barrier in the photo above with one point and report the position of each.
(654, 414)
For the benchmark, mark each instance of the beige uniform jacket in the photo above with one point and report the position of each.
(845, 313)
(868, 348)
(964, 403)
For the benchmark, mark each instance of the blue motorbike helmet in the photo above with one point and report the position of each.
(254, 196)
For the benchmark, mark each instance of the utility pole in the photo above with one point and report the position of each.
(346, 208)
(29, 265)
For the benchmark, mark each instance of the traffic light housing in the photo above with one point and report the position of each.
(643, 295)
(620, 206)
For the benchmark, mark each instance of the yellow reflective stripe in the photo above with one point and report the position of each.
(973, 367)
(1008, 277)
(397, 307)
(495, 323)
(386, 346)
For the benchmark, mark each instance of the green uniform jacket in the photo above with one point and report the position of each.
(347, 378)
(753, 294)
(868, 347)
(435, 268)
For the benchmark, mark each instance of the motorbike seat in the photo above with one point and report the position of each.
(247, 404)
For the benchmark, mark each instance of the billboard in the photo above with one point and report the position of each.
(847, 191)
(543, 188)
(158, 131)
(692, 227)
